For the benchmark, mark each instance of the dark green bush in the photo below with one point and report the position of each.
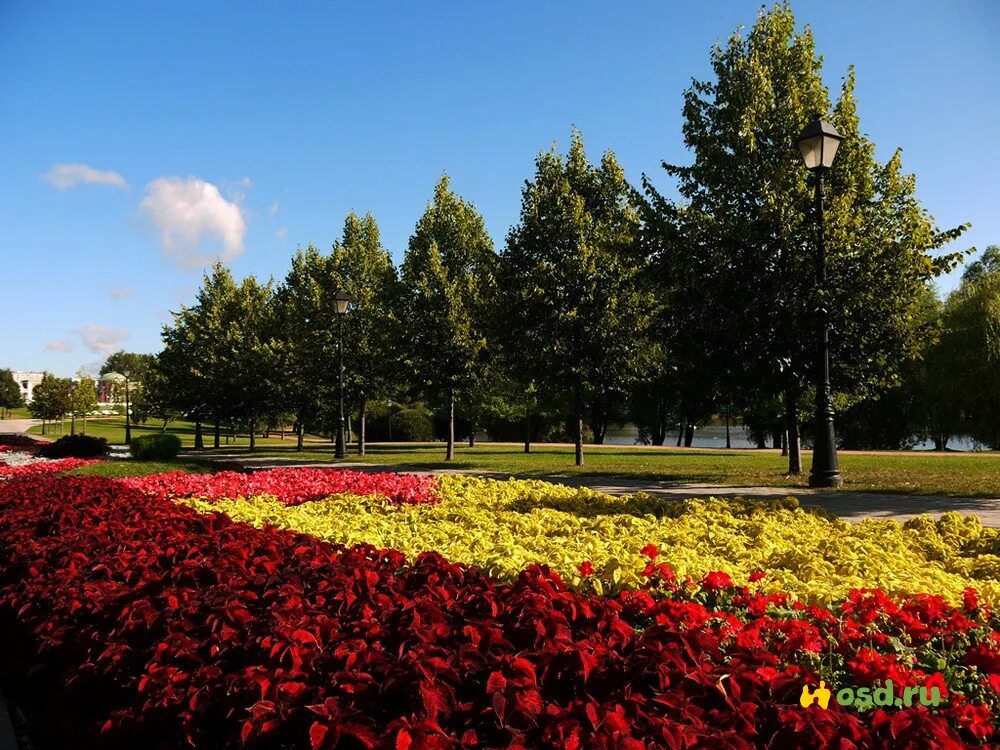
(76, 446)
(155, 447)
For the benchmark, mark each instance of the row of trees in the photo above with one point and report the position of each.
(611, 302)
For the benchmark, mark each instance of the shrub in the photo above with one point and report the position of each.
(413, 424)
(155, 447)
(19, 441)
(76, 446)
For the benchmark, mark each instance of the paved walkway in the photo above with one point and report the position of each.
(16, 425)
(852, 506)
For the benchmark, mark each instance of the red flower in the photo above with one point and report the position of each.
(757, 576)
(651, 551)
(586, 568)
(716, 580)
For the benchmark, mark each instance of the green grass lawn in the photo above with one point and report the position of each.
(136, 468)
(922, 473)
(113, 428)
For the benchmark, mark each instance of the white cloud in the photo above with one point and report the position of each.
(187, 212)
(120, 292)
(65, 176)
(58, 345)
(273, 208)
(93, 369)
(281, 233)
(102, 340)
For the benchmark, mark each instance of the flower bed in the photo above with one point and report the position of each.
(502, 527)
(131, 621)
(289, 486)
(19, 457)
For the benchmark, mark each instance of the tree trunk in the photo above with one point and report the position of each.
(362, 425)
(527, 430)
(199, 440)
(761, 441)
(450, 454)
(689, 435)
(659, 435)
(84, 424)
(792, 421)
(729, 443)
(784, 442)
(777, 435)
(600, 428)
(300, 429)
(681, 429)
(472, 434)
(43, 426)
(72, 424)
(253, 436)
(578, 418)
(215, 444)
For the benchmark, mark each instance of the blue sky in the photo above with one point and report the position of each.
(138, 139)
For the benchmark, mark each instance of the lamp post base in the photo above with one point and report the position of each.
(825, 479)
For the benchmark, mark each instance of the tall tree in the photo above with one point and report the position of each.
(133, 368)
(372, 328)
(196, 357)
(83, 400)
(305, 340)
(51, 399)
(966, 360)
(749, 228)
(572, 287)
(10, 392)
(447, 278)
(251, 355)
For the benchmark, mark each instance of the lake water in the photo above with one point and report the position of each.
(714, 436)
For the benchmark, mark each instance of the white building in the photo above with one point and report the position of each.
(26, 381)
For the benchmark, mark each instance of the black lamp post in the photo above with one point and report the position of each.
(342, 301)
(818, 145)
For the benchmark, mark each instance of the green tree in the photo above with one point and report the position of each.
(748, 227)
(372, 329)
(305, 339)
(51, 399)
(966, 360)
(447, 279)
(572, 288)
(251, 355)
(83, 400)
(133, 368)
(10, 392)
(196, 359)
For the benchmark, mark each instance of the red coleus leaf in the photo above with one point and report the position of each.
(317, 735)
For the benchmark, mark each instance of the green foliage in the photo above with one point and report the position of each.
(748, 223)
(52, 398)
(372, 328)
(571, 285)
(162, 447)
(76, 446)
(967, 356)
(10, 392)
(83, 398)
(448, 277)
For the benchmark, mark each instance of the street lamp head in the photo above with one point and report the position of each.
(343, 301)
(818, 145)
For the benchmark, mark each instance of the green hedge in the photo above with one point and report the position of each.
(155, 447)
